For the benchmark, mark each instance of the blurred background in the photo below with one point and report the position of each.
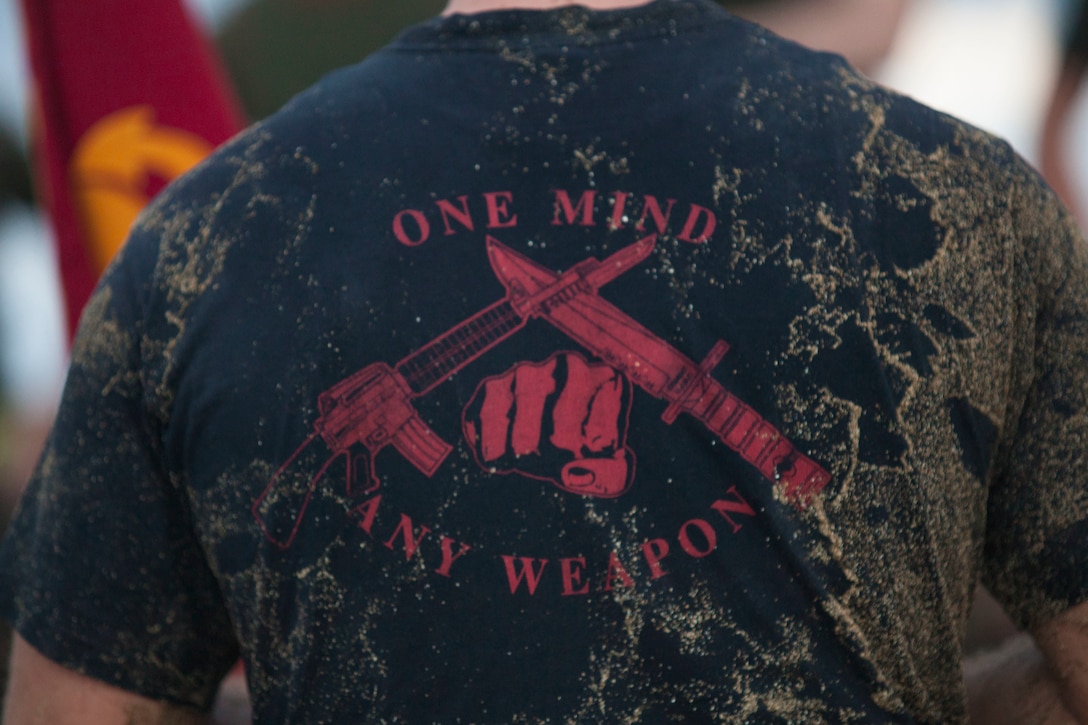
(995, 63)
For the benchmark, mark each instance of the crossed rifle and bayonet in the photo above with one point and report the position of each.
(372, 408)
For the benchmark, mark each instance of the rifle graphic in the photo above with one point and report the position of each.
(659, 369)
(372, 408)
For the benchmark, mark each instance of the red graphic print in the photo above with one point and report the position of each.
(372, 408)
(563, 420)
(658, 368)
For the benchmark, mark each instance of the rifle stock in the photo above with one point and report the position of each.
(359, 416)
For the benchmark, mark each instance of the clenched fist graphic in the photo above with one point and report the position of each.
(562, 420)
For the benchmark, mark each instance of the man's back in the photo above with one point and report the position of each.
(567, 366)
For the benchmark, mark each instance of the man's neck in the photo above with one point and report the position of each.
(468, 7)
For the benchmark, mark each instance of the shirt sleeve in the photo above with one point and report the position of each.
(101, 570)
(1036, 541)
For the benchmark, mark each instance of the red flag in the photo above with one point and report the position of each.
(129, 96)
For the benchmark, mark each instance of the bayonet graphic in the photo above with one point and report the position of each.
(658, 368)
(372, 408)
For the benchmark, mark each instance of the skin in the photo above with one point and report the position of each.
(1041, 679)
(41, 692)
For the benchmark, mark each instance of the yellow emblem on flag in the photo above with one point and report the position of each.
(111, 167)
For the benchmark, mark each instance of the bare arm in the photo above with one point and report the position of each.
(1064, 642)
(1040, 680)
(41, 691)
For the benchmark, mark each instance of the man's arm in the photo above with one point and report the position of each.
(1064, 643)
(1034, 680)
(41, 691)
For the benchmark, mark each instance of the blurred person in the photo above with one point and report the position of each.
(1056, 155)
(564, 363)
(22, 432)
(15, 189)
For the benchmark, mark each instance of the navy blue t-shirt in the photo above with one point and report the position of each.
(630, 366)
